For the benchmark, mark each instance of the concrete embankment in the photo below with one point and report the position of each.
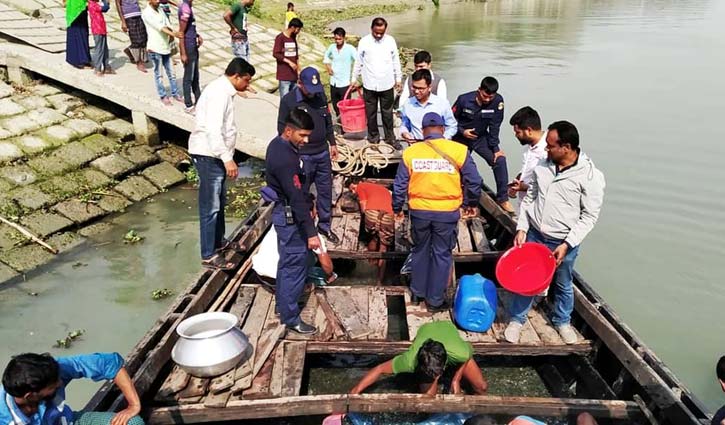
(64, 163)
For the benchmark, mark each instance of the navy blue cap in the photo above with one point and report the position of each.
(431, 119)
(310, 78)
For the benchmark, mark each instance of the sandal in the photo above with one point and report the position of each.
(218, 262)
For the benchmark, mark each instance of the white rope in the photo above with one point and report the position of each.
(352, 161)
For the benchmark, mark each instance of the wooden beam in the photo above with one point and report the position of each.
(464, 237)
(250, 409)
(370, 403)
(391, 348)
(461, 257)
(532, 406)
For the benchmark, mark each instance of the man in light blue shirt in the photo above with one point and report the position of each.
(422, 102)
(33, 389)
(339, 59)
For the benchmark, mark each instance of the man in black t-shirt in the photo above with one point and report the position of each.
(719, 418)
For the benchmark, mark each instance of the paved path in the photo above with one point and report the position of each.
(256, 116)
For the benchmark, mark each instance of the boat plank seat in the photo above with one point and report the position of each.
(471, 239)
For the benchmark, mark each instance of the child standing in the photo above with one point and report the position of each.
(290, 14)
(96, 9)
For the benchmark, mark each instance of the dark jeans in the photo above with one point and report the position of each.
(318, 170)
(500, 170)
(386, 99)
(561, 284)
(291, 267)
(336, 95)
(432, 258)
(212, 198)
(191, 75)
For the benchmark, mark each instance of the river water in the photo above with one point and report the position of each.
(642, 80)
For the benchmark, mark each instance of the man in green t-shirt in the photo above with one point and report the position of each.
(436, 345)
(236, 18)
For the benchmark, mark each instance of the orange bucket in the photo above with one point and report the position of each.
(352, 112)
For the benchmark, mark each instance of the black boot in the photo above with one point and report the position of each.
(303, 328)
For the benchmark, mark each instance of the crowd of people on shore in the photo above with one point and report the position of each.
(559, 190)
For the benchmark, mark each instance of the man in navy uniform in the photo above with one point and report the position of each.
(296, 233)
(479, 114)
(309, 95)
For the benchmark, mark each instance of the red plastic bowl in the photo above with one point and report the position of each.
(526, 270)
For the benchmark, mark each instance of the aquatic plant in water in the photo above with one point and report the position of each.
(160, 294)
(132, 237)
(68, 340)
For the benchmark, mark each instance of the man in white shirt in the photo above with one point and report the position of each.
(212, 145)
(422, 60)
(378, 61)
(527, 129)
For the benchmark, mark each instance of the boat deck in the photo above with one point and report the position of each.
(473, 244)
(351, 320)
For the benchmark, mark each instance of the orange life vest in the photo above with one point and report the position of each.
(435, 184)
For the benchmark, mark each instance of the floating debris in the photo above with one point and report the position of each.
(132, 237)
(68, 340)
(160, 294)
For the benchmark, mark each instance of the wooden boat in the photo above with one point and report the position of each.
(609, 373)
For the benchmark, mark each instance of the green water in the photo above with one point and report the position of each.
(642, 80)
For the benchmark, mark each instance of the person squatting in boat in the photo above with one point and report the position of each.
(436, 345)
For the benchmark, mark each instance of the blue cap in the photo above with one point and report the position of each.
(431, 119)
(310, 78)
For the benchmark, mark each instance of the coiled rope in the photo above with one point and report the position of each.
(351, 160)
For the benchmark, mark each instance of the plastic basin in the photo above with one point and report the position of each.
(526, 270)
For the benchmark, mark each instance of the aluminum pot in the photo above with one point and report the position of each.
(209, 344)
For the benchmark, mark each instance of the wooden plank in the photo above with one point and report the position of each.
(260, 384)
(245, 298)
(175, 382)
(377, 313)
(352, 232)
(251, 409)
(294, 367)
(528, 335)
(369, 403)
(544, 328)
(218, 400)
(222, 382)
(272, 332)
(252, 329)
(348, 311)
(464, 237)
(275, 385)
(402, 234)
(493, 405)
(324, 329)
(195, 388)
(391, 348)
(418, 315)
(338, 331)
(478, 236)
(459, 257)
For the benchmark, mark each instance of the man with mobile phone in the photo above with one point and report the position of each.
(479, 114)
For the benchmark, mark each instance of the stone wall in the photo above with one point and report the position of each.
(65, 163)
